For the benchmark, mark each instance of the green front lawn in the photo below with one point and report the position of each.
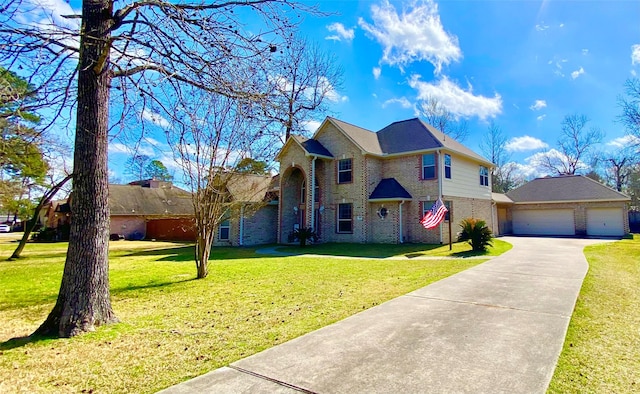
(409, 250)
(175, 327)
(602, 350)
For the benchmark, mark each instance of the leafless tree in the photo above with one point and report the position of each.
(575, 145)
(133, 49)
(210, 135)
(493, 147)
(306, 80)
(619, 166)
(630, 105)
(438, 116)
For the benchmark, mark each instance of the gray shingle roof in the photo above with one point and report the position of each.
(367, 140)
(501, 198)
(410, 135)
(249, 187)
(389, 189)
(415, 135)
(564, 188)
(145, 201)
(311, 146)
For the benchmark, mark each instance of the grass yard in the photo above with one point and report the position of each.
(174, 327)
(602, 350)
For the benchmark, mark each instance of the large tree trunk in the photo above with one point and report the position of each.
(84, 300)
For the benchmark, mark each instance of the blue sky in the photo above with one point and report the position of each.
(523, 64)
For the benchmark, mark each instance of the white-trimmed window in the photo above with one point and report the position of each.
(447, 166)
(224, 229)
(429, 166)
(345, 172)
(345, 218)
(484, 176)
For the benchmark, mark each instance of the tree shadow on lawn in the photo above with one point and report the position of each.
(187, 253)
(153, 285)
(380, 251)
(23, 341)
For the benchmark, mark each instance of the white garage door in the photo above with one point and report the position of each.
(605, 221)
(544, 222)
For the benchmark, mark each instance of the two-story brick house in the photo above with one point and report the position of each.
(373, 187)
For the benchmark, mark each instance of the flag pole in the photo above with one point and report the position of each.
(450, 219)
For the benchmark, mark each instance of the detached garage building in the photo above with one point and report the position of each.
(568, 205)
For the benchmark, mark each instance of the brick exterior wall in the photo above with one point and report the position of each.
(261, 227)
(367, 171)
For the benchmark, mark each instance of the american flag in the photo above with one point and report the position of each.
(434, 216)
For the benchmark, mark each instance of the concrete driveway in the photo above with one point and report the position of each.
(497, 327)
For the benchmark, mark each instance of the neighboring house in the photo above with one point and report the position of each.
(151, 209)
(565, 205)
(374, 187)
(56, 215)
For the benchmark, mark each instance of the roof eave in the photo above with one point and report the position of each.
(423, 151)
(572, 201)
(308, 154)
(389, 199)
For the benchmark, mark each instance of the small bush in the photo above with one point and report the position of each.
(476, 233)
(304, 234)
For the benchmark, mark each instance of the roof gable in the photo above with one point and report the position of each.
(389, 189)
(564, 188)
(311, 147)
(364, 139)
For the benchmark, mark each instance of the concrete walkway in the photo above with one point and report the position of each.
(497, 327)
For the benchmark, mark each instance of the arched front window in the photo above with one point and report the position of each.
(303, 192)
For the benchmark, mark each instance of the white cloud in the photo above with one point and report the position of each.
(633, 73)
(311, 125)
(342, 33)
(553, 157)
(561, 25)
(331, 93)
(416, 34)
(155, 118)
(635, 54)
(541, 117)
(538, 105)
(541, 27)
(376, 72)
(624, 142)
(585, 51)
(577, 73)
(524, 143)
(458, 101)
(404, 103)
(142, 149)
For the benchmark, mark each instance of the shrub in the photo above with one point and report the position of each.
(304, 234)
(476, 233)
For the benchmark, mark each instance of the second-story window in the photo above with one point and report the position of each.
(447, 166)
(484, 176)
(345, 172)
(429, 166)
